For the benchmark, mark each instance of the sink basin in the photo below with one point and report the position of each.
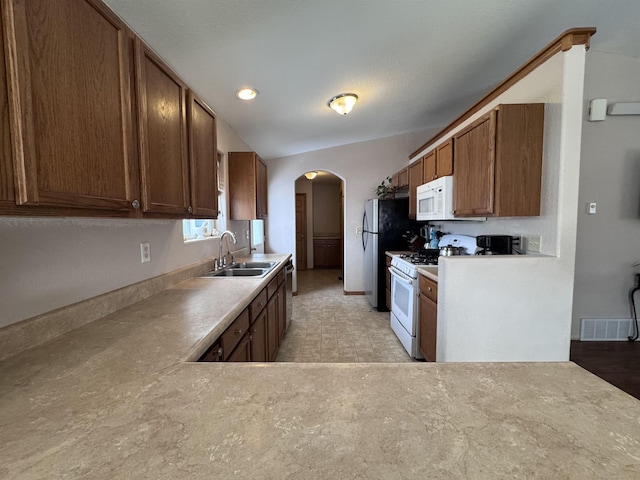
(244, 265)
(237, 272)
(243, 269)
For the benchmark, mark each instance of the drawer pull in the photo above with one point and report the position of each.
(429, 288)
(238, 331)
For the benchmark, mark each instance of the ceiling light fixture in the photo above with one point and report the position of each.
(311, 175)
(247, 93)
(343, 103)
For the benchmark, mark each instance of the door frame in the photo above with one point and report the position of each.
(303, 254)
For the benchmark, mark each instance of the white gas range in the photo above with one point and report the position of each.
(404, 297)
(405, 289)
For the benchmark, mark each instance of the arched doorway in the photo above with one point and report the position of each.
(319, 221)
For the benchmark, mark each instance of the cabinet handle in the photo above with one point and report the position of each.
(429, 288)
(135, 204)
(190, 209)
(238, 331)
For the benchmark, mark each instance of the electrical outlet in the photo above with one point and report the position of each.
(358, 230)
(591, 208)
(533, 243)
(145, 252)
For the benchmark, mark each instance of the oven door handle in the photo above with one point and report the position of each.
(401, 276)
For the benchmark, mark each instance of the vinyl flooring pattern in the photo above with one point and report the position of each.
(328, 326)
(615, 362)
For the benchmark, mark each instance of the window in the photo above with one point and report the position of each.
(198, 229)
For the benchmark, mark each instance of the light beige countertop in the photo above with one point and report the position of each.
(115, 399)
(429, 272)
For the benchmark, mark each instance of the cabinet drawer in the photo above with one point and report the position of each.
(212, 354)
(272, 287)
(232, 335)
(429, 288)
(258, 304)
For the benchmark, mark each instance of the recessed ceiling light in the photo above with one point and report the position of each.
(246, 93)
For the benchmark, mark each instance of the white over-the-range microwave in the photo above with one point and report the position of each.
(435, 201)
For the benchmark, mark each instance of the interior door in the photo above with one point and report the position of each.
(301, 231)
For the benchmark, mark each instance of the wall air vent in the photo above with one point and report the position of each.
(604, 329)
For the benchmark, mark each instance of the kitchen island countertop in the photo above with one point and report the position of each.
(116, 399)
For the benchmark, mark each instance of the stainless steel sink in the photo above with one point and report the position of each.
(243, 265)
(243, 269)
(237, 272)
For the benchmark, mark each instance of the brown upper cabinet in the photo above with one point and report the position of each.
(247, 186)
(499, 163)
(162, 136)
(438, 162)
(401, 179)
(71, 145)
(415, 180)
(69, 76)
(203, 158)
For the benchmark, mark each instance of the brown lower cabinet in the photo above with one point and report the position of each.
(256, 334)
(326, 252)
(259, 339)
(428, 318)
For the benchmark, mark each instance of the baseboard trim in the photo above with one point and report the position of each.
(37, 330)
(353, 292)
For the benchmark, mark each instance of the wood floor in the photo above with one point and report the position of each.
(616, 362)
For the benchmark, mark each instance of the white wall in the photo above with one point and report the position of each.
(361, 166)
(48, 263)
(518, 308)
(326, 209)
(609, 241)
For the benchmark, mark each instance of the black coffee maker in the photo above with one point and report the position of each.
(494, 244)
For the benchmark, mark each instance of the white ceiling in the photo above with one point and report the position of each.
(415, 64)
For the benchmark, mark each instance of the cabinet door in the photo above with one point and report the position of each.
(203, 156)
(259, 339)
(162, 136)
(427, 332)
(242, 352)
(519, 142)
(403, 178)
(429, 167)
(282, 309)
(7, 186)
(415, 179)
(444, 159)
(70, 78)
(273, 337)
(261, 187)
(242, 186)
(474, 180)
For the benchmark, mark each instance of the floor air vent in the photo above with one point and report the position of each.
(604, 329)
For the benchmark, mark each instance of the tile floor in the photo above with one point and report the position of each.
(328, 326)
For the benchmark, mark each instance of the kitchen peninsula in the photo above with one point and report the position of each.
(122, 398)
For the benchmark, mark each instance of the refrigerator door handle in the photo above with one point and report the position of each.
(364, 230)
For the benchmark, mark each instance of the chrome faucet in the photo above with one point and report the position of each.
(222, 261)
